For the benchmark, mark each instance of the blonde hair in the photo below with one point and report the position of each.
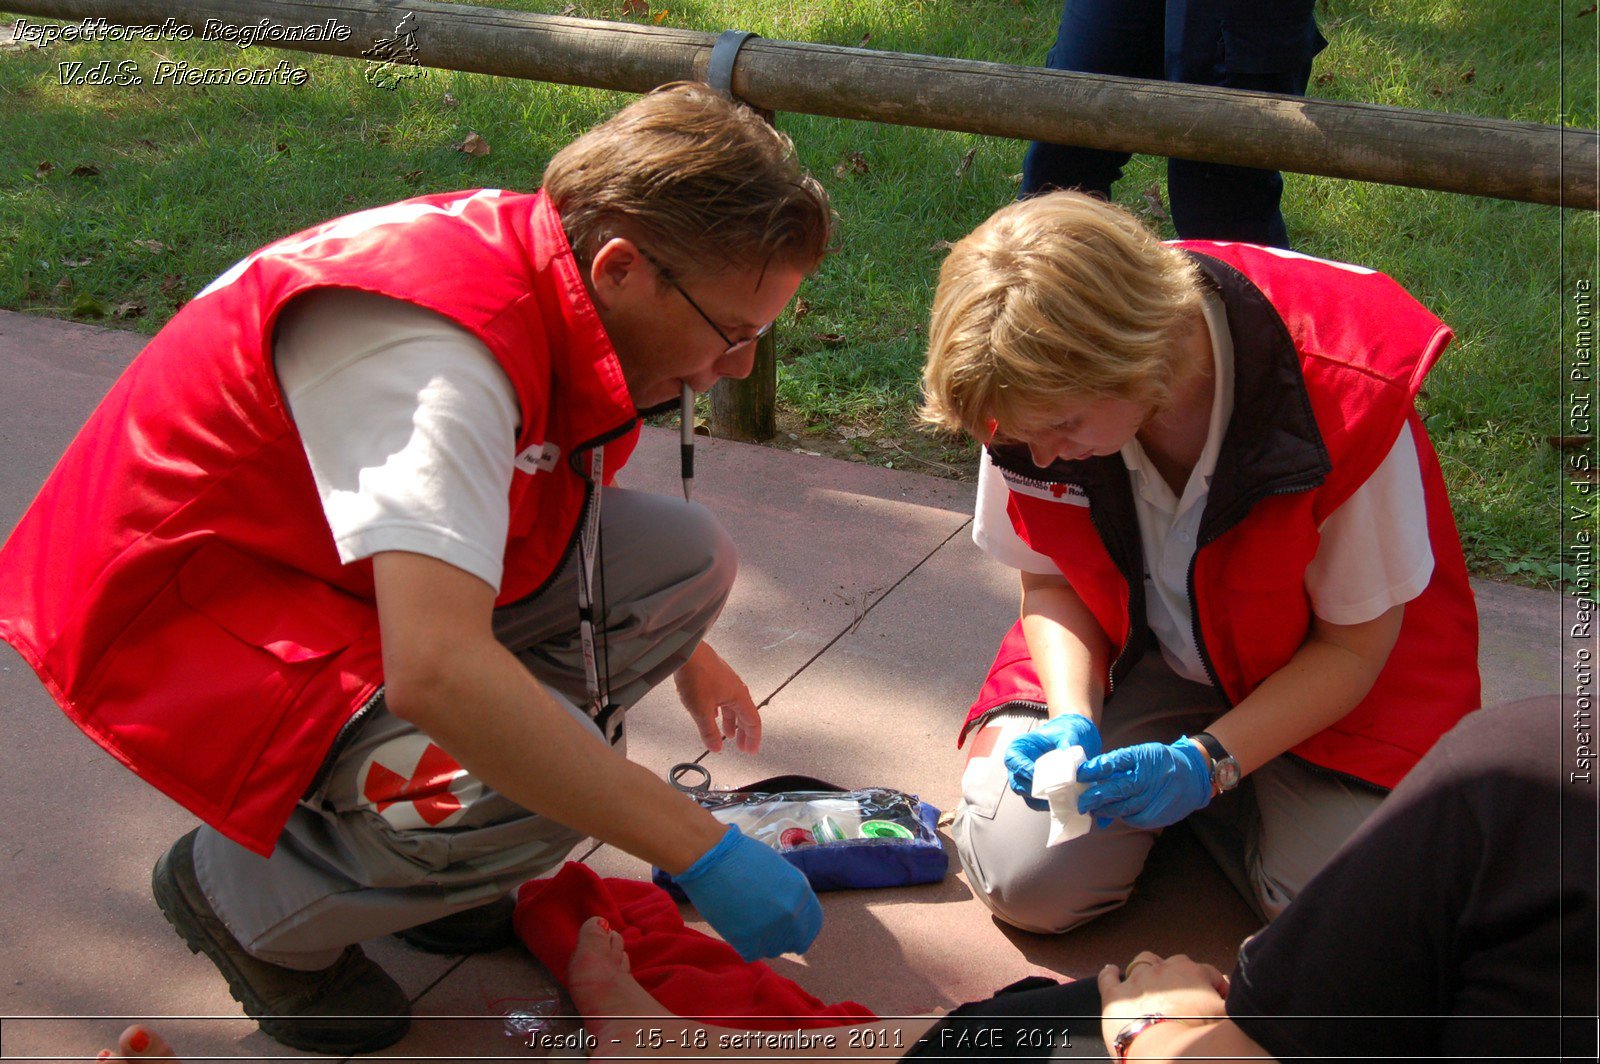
(1061, 297)
(702, 183)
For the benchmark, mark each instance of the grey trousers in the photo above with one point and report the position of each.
(1269, 836)
(399, 834)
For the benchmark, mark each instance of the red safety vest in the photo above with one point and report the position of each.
(175, 584)
(1328, 359)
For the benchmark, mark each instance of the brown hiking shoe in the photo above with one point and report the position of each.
(477, 930)
(352, 1006)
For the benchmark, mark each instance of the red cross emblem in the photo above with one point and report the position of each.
(1059, 490)
(414, 785)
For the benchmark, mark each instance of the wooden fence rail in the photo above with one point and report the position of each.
(1555, 165)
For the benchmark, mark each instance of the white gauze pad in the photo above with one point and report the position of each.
(1055, 779)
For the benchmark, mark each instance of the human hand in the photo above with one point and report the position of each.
(1150, 785)
(1069, 729)
(1178, 987)
(759, 903)
(708, 688)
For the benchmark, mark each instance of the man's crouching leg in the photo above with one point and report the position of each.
(1001, 843)
(398, 838)
(666, 567)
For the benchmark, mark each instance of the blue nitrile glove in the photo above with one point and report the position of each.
(759, 903)
(1149, 785)
(1069, 729)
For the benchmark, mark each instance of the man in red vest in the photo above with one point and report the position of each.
(337, 563)
(1237, 558)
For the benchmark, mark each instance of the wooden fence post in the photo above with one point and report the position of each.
(743, 409)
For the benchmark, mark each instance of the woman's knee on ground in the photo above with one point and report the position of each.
(1049, 890)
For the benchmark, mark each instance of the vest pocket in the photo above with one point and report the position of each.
(195, 687)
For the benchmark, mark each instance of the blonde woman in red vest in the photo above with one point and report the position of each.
(1243, 595)
(338, 564)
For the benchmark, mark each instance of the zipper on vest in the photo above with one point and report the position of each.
(1009, 704)
(1127, 642)
(346, 730)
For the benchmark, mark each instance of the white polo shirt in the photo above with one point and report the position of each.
(410, 426)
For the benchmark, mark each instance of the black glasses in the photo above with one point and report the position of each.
(733, 345)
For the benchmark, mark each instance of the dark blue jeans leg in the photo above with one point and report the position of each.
(1120, 37)
(1236, 44)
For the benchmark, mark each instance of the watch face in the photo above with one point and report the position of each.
(1226, 773)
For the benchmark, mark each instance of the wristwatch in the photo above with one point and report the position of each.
(1224, 769)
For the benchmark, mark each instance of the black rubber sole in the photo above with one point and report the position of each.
(187, 917)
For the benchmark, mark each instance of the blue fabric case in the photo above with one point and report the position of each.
(850, 863)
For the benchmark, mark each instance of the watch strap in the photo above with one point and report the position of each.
(1214, 749)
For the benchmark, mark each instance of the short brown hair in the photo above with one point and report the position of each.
(704, 183)
(1061, 297)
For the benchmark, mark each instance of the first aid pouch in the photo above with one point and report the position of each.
(838, 839)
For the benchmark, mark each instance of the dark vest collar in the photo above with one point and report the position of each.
(1272, 445)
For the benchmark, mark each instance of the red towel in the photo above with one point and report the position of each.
(692, 974)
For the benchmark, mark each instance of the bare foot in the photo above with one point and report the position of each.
(604, 990)
(139, 1043)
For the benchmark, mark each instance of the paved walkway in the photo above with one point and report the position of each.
(861, 602)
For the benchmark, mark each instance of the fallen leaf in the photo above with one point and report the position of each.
(1589, 10)
(851, 162)
(43, 168)
(171, 283)
(865, 40)
(410, 176)
(635, 7)
(87, 306)
(64, 285)
(281, 147)
(132, 309)
(1468, 74)
(852, 433)
(830, 339)
(660, 16)
(155, 247)
(473, 145)
(966, 162)
(73, 264)
(802, 307)
(1152, 202)
(85, 170)
(1324, 79)
(941, 245)
(570, 9)
(449, 100)
(1570, 443)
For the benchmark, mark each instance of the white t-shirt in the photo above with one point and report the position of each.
(1374, 553)
(410, 426)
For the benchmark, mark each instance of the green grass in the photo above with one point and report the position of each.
(179, 182)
